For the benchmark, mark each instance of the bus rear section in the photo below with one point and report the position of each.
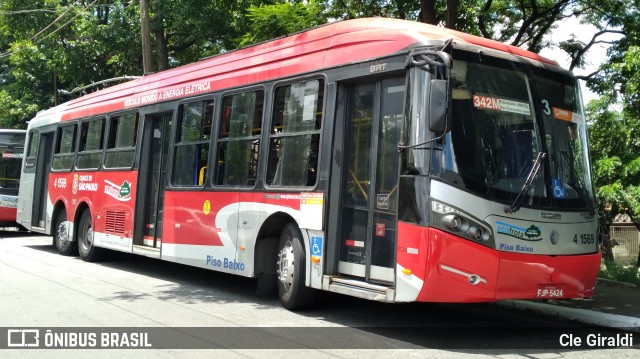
(11, 152)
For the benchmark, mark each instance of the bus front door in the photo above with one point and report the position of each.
(42, 169)
(152, 180)
(370, 182)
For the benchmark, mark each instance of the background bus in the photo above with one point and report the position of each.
(379, 158)
(11, 150)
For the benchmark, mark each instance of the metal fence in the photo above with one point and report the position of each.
(626, 243)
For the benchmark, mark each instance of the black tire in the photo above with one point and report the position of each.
(88, 252)
(291, 266)
(64, 245)
(266, 257)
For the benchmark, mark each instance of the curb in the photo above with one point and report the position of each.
(616, 283)
(581, 315)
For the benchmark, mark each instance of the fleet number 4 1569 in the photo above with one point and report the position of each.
(584, 239)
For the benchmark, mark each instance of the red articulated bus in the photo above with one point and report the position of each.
(379, 158)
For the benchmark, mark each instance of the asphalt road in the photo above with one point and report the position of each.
(198, 308)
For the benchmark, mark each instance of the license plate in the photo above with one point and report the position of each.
(550, 291)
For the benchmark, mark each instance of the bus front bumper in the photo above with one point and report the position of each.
(458, 270)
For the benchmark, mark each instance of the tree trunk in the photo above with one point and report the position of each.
(146, 38)
(452, 14)
(401, 12)
(162, 50)
(606, 248)
(428, 12)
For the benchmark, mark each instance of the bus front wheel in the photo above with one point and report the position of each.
(87, 250)
(61, 239)
(291, 270)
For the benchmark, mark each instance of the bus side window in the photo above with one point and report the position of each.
(239, 139)
(91, 144)
(295, 134)
(32, 150)
(65, 147)
(191, 155)
(121, 141)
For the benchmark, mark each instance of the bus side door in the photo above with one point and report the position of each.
(374, 118)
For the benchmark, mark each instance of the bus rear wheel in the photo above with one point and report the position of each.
(61, 239)
(291, 270)
(87, 250)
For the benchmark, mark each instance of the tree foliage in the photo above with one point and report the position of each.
(614, 119)
(268, 21)
(615, 138)
(51, 45)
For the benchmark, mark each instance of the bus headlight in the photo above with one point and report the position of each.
(454, 222)
(475, 232)
(461, 224)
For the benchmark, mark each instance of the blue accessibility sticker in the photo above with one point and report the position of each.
(316, 246)
(558, 188)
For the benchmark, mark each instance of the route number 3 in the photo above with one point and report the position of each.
(546, 109)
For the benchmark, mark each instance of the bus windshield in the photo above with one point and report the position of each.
(504, 115)
(11, 147)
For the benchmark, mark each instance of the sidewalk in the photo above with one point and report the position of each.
(614, 305)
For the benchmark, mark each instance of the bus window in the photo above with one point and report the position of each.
(91, 143)
(192, 143)
(65, 146)
(10, 138)
(295, 134)
(11, 149)
(34, 138)
(239, 139)
(121, 143)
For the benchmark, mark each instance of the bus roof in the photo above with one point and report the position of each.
(335, 44)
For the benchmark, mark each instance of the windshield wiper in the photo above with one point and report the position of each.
(515, 207)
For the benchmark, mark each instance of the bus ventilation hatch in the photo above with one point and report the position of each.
(115, 221)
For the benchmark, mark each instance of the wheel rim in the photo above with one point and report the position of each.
(87, 238)
(285, 265)
(63, 233)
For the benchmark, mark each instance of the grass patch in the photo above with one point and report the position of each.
(627, 273)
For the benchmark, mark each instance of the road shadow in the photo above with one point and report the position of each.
(8, 232)
(619, 299)
(187, 284)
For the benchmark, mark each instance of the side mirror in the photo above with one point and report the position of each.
(438, 105)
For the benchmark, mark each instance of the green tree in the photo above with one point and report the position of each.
(615, 155)
(184, 32)
(615, 138)
(48, 45)
(268, 21)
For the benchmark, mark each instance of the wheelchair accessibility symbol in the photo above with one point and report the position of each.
(558, 188)
(316, 246)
